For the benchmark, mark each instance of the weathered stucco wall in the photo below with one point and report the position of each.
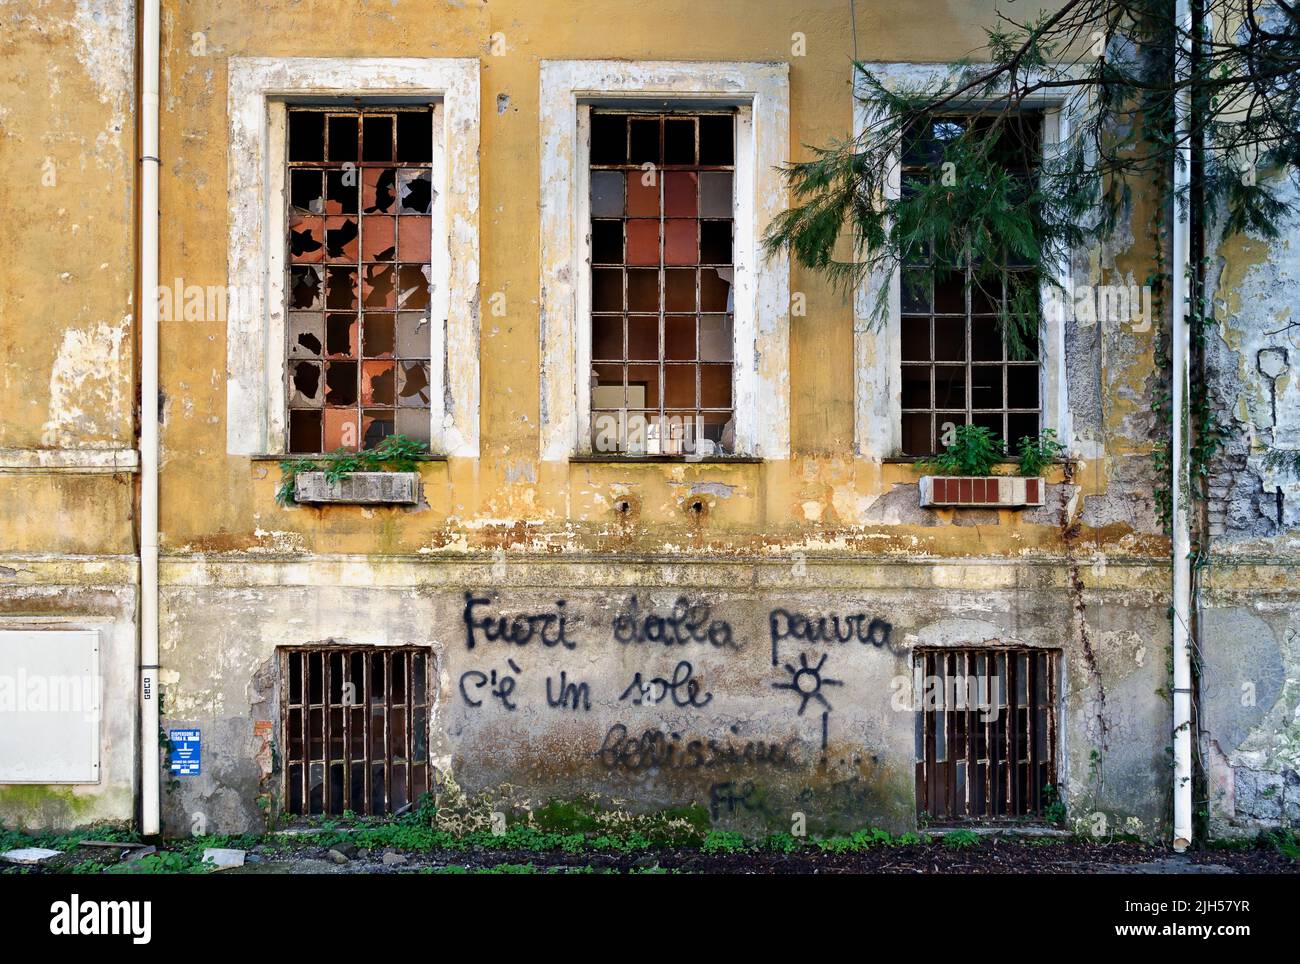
(1252, 623)
(739, 530)
(509, 733)
(67, 138)
(821, 532)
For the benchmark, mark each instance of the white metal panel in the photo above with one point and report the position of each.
(49, 706)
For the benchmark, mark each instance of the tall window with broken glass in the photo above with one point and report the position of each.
(358, 275)
(661, 283)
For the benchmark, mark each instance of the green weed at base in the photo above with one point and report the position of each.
(961, 839)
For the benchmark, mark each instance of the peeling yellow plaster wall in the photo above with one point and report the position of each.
(67, 245)
(71, 321)
(509, 498)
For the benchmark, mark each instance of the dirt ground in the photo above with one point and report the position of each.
(990, 857)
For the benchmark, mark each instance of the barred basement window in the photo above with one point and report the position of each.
(956, 366)
(986, 732)
(355, 728)
(358, 282)
(661, 283)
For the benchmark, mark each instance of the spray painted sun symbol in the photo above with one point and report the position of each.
(808, 681)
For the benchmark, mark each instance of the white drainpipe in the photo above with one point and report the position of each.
(1182, 568)
(150, 823)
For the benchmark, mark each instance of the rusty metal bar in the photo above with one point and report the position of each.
(991, 768)
(375, 740)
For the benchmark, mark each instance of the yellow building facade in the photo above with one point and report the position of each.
(746, 628)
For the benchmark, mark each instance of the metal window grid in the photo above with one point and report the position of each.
(977, 764)
(955, 366)
(354, 729)
(662, 352)
(358, 205)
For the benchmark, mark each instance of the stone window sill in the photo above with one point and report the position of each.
(358, 488)
(983, 492)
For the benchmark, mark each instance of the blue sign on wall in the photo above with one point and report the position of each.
(184, 752)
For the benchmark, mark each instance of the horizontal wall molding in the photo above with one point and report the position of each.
(72, 461)
(766, 577)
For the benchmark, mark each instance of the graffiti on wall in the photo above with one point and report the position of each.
(801, 649)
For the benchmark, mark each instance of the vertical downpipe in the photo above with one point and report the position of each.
(150, 823)
(1178, 443)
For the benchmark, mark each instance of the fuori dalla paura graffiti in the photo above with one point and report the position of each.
(803, 649)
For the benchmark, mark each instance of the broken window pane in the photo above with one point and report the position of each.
(379, 190)
(304, 287)
(306, 136)
(306, 191)
(607, 242)
(358, 245)
(413, 286)
(380, 242)
(305, 335)
(379, 383)
(377, 287)
(341, 335)
(414, 136)
(380, 335)
(341, 192)
(340, 287)
(415, 190)
(413, 384)
(376, 426)
(341, 236)
(304, 431)
(717, 133)
(306, 239)
(306, 385)
(341, 384)
(377, 138)
(608, 139)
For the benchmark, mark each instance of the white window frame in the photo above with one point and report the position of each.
(259, 90)
(878, 402)
(761, 378)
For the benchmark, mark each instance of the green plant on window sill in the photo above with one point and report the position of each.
(975, 451)
(1038, 453)
(396, 453)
